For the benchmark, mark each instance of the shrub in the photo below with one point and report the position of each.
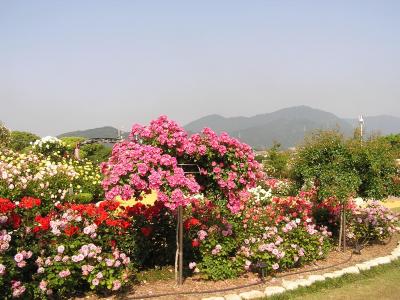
(75, 247)
(278, 233)
(276, 162)
(39, 176)
(155, 158)
(51, 147)
(20, 140)
(371, 224)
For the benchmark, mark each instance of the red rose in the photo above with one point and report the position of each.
(29, 202)
(195, 243)
(6, 205)
(15, 221)
(146, 230)
(70, 230)
(44, 223)
(191, 222)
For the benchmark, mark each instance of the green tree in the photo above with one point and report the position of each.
(19, 140)
(374, 160)
(276, 162)
(325, 160)
(394, 141)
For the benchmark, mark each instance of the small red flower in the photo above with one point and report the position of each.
(109, 205)
(15, 220)
(146, 230)
(29, 202)
(70, 230)
(6, 205)
(191, 222)
(44, 223)
(195, 243)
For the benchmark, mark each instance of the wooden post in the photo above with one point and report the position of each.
(341, 227)
(344, 228)
(180, 245)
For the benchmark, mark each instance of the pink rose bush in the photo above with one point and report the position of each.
(155, 157)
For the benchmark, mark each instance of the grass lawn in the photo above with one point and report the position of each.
(378, 283)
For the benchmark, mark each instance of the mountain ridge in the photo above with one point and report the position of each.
(287, 126)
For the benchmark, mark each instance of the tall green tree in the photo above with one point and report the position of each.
(325, 160)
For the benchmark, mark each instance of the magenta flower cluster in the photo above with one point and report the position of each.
(153, 157)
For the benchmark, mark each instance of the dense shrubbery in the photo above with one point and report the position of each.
(72, 248)
(276, 232)
(40, 176)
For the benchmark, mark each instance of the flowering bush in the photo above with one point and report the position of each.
(155, 156)
(372, 223)
(50, 146)
(74, 247)
(279, 187)
(154, 231)
(278, 232)
(135, 168)
(36, 175)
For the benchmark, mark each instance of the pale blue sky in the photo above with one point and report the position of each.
(67, 65)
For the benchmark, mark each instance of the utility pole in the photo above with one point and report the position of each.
(361, 122)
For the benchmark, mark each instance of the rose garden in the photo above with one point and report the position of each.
(69, 227)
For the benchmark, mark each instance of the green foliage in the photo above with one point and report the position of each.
(276, 162)
(82, 198)
(96, 152)
(71, 142)
(374, 162)
(325, 160)
(19, 140)
(394, 141)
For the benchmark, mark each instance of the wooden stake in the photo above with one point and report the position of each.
(180, 241)
(344, 228)
(340, 228)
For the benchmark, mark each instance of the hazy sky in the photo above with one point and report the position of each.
(67, 65)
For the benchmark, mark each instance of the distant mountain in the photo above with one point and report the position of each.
(287, 126)
(101, 132)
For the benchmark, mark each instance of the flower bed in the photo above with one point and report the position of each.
(235, 220)
(72, 248)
